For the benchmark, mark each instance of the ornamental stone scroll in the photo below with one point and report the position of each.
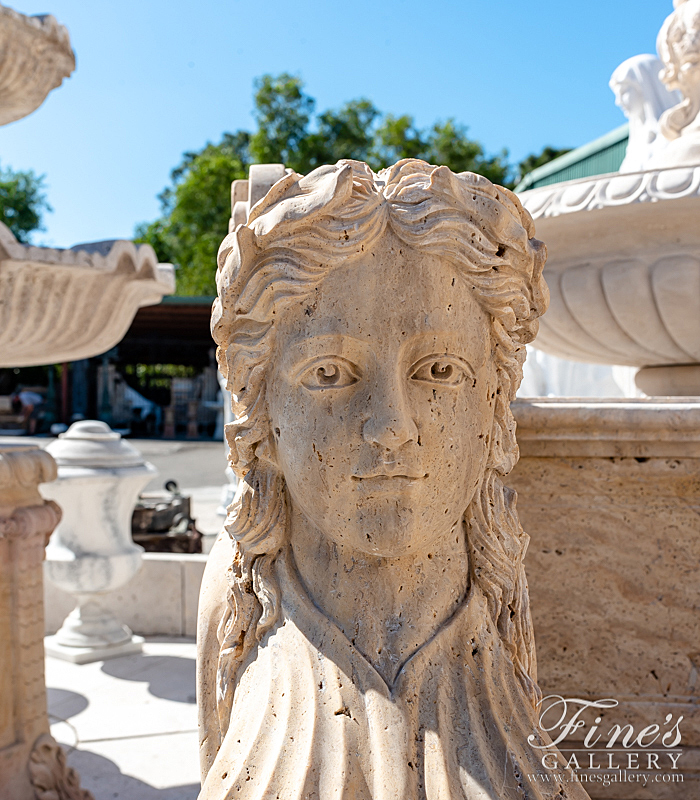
(364, 627)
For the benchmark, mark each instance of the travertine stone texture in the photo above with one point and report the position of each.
(364, 628)
(246, 193)
(609, 493)
(31, 764)
(678, 44)
(643, 98)
(35, 58)
(623, 269)
(63, 305)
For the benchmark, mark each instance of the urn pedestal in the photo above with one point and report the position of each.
(92, 553)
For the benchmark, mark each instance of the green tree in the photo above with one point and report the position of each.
(22, 202)
(397, 138)
(449, 144)
(282, 112)
(345, 133)
(195, 212)
(196, 207)
(535, 160)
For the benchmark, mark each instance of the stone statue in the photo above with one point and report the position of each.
(643, 98)
(678, 44)
(364, 627)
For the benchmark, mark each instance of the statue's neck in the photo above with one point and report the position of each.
(388, 608)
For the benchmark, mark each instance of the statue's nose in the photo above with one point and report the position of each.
(390, 423)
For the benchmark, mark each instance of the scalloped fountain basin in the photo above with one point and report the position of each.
(624, 273)
(62, 305)
(36, 57)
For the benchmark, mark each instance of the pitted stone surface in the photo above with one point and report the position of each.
(364, 628)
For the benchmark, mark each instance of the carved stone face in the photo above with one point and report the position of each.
(629, 98)
(381, 400)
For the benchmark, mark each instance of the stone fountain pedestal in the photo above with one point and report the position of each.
(31, 763)
(609, 492)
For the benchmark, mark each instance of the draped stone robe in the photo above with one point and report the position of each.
(313, 720)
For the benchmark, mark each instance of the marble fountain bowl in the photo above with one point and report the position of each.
(35, 57)
(63, 305)
(623, 269)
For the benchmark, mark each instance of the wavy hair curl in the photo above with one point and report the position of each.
(672, 44)
(289, 243)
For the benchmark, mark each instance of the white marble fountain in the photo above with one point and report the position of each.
(624, 248)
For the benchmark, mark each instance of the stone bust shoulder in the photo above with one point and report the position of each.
(364, 622)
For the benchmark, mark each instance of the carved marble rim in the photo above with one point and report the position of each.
(608, 427)
(612, 189)
(36, 57)
(46, 24)
(63, 305)
(107, 256)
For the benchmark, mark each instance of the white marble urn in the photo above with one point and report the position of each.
(91, 552)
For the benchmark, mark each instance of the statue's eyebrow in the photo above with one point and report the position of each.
(439, 343)
(325, 339)
(323, 344)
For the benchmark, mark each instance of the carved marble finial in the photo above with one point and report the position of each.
(364, 625)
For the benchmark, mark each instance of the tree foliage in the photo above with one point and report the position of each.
(195, 212)
(535, 160)
(22, 202)
(196, 207)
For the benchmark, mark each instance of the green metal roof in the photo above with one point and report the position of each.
(598, 157)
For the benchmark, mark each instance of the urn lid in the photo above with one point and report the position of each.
(90, 443)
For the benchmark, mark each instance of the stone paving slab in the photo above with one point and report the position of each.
(129, 724)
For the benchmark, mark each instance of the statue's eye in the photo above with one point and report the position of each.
(330, 373)
(445, 370)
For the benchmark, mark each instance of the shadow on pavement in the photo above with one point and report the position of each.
(107, 782)
(63, 704)
(169, 677)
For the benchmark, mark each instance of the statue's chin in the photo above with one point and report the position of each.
(388, 536)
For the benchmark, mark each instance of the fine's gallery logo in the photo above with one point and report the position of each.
(603, 751)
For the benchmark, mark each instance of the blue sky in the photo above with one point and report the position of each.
(156, 78)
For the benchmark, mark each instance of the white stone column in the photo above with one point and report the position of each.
(92, 553)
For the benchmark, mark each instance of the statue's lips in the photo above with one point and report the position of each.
(387, 483)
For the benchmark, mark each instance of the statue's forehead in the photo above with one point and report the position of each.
(390, 302)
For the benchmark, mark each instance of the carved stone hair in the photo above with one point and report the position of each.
(643, 71)
(671, 46)
(289, 244)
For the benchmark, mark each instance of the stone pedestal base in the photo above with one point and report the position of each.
(32, 765)
(681, 380)
(91, 625)
(86, 655)
(609, 493)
